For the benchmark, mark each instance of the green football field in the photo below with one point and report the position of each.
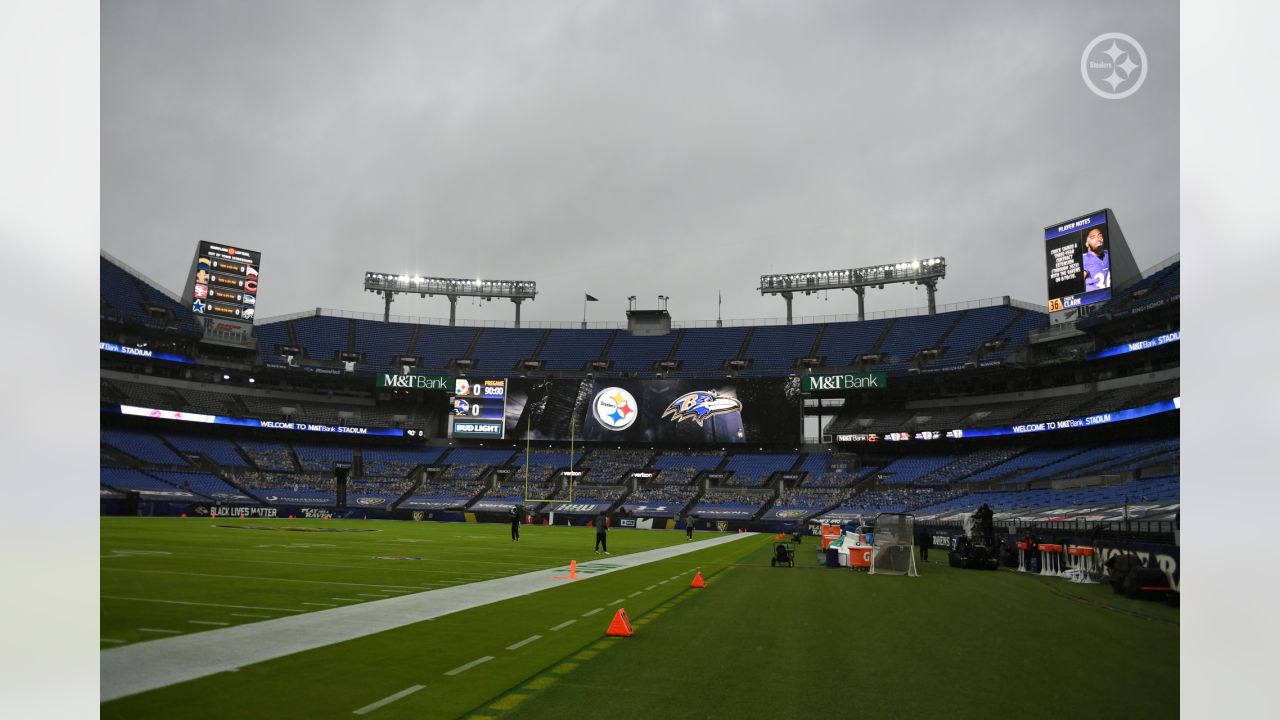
(757, 642)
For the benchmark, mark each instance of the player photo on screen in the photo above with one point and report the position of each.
(1078, 262)
(1097, 261)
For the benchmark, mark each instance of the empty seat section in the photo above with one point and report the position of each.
(437, 345)
(640, 352)
(842, 343)
(709, 348)
(396, 463)
(751, 470)
(271, 337)
(381, 342)
(776, 347)
(910, 335)
(572, 349)
(220, 451)
(500, 349)
(144, 446)
(320, 458)
(322, 336)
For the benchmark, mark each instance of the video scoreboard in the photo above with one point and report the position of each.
(222, 289)
(1085, 258)
(479, 409)
(1078, 261)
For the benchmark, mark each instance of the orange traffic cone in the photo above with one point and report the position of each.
(779, 536)
(184, 514)
(573, 572)
(621, 625)
(698, 582)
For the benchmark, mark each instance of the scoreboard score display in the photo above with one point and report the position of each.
(225, 282)
(479, 409)
(222, 292)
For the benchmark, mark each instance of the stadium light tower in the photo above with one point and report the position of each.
(923, 272)
(387, 285)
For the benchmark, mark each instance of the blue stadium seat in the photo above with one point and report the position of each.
(572, 349)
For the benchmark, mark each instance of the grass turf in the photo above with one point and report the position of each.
(758, 642)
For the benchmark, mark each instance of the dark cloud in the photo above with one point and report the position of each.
(626, 148)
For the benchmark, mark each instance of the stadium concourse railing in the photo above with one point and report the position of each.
(675, 324)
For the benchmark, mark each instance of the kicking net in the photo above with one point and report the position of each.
(893, 545)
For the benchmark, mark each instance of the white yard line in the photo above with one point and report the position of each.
(564, 624)
(635, 593)
(650, 587)
(201, 604)
(138, 667)
(252, 615)
(208, 622)
(523, 642)
(463, 668)
(664, 582)
(160, 630)
(589, 613)
(320, 604)
(255, 577)
(387, 700)
(349, 599)
(619, 601)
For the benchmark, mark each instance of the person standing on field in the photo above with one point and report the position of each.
(688, 528)
(602, 527)
(515, 524)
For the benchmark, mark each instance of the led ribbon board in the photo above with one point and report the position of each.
(144, 353)
(1135, 346)
(267, 424)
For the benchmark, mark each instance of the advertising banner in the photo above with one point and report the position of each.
(414, 382)
(844, 381)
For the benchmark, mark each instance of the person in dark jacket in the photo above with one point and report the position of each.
(602, 527)
(688, 528)
(924, 541)
(986, 524)
(515, 525)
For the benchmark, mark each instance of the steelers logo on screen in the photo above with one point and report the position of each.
(615, 408)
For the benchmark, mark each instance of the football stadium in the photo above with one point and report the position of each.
(872, 406)
(334, 512)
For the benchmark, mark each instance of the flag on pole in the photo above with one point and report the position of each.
(591, 298)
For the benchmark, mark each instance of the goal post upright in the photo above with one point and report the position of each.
(528, 439)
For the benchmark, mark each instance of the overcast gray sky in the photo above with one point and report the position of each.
(626, 148)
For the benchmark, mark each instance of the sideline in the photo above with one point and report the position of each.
(144, 666)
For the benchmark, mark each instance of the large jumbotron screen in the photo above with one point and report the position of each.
(225, 282)
(712, 411)
(1078, 261)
